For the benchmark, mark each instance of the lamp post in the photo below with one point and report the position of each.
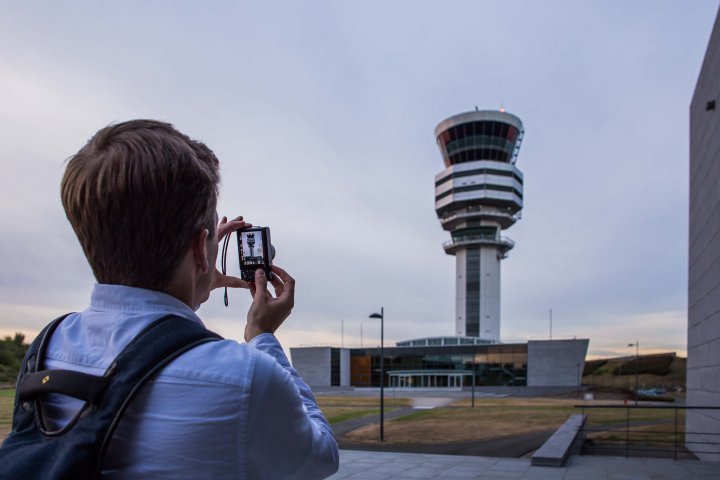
(637, 367)
(579, 380)
(473, 387)
(381, 316)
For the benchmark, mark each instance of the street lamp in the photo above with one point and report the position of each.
(637, 367)
(579, 381)
(381, 316)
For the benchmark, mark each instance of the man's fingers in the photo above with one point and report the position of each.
(229, 281)
(277, 285)
(231, 226)
(226, 226)
(281, 273)
(288, 281)
(261, 285)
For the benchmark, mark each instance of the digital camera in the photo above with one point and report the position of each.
(255, 251)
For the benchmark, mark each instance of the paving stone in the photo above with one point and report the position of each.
(511, 465)
(545, 472)
(357, 465)
(459, 472)
(504, 474)
(545, 475)
(628, 476)
(370, 476)
(586, 475)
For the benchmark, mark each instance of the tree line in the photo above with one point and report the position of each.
(12, 351)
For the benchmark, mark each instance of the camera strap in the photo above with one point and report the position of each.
(223, 261)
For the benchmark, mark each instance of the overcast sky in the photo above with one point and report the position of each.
(322, 114)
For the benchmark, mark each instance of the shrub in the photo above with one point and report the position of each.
(12, 351)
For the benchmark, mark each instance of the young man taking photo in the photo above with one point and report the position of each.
(141, 198)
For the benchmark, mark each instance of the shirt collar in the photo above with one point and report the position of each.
(121, 298)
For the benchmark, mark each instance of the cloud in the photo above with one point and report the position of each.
(322, 117)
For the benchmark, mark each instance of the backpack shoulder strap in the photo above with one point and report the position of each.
(34, 352)
(38, 346)
(151, 350)
(22, 409)
(78, 450)
(34, 381)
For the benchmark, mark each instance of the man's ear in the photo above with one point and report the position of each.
(199, 249)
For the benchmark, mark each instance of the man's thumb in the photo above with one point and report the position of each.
(260, 280)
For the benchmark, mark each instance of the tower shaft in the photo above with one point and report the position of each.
(477, 289)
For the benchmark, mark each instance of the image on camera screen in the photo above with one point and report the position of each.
(252, 249)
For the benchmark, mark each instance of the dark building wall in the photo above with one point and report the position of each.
(703, 364)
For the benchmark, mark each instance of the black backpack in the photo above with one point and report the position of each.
(77, 450)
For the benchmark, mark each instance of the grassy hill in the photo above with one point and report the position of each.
(665, 370)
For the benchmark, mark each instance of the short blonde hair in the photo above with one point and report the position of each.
(135, 195)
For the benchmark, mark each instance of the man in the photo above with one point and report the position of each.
(141, 198)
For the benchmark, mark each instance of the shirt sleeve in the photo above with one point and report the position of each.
(288, 436)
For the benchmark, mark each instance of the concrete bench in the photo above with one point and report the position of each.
(555, 451)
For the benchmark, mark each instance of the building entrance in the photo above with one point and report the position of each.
(427, 378)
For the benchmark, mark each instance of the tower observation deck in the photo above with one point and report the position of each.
(477, 196)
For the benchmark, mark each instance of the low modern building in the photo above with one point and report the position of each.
(433, 363)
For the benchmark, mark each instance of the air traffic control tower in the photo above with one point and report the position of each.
(477, 196)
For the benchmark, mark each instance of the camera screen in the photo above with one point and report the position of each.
(251, 249)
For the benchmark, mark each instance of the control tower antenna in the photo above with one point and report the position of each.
(479, 194)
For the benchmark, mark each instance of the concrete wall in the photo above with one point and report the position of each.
(313, 365)
(344, 367)
(490, 294)
(556, 363)
(703, 365)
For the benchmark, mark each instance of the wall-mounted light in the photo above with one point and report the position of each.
(710, 105)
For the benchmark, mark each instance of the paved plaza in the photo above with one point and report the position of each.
(384, 465)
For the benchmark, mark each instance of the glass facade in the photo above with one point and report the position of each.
(482, 186)
(483, 140)
(472, 292)
(422, 342)
(479, 171)
(335, 367)
(490, 365)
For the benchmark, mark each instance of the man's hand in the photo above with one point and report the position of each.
(221, 280)
(266, 312)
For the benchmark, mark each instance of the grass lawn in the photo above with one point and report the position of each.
(495, 417)
(335, 409)
(339, 409)
(601, 417)
(324, 401)
(7, 397)
(340, 414)
(491, 417)
(655, 435)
